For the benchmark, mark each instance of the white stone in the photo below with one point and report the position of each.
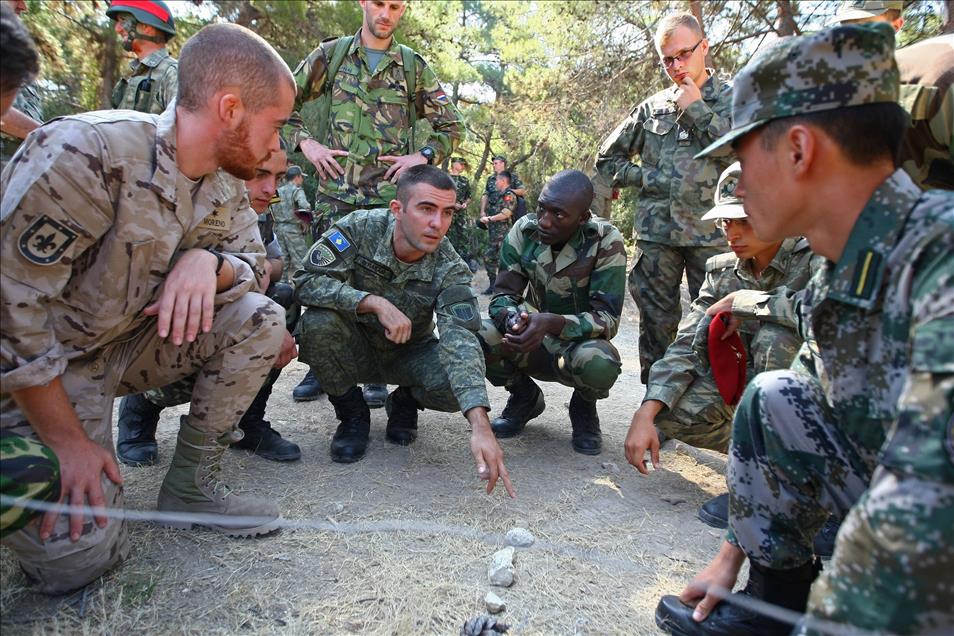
(520, 537)
(501, 570)
(494, 603)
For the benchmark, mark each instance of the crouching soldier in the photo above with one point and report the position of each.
(557, 304)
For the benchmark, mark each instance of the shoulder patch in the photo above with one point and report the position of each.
(339, 242)
(321, 255)
(45, 241)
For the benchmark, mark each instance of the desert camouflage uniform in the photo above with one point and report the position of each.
(585, 283)
(675, 190)
(288, 227)
(497, 230)
(355, 258)
(927, 93)
(27, 102)
(28, 471)
(152, 86)
(369, 118)
(695, 412)
(462, 226)
(863, 422)
(95, 212)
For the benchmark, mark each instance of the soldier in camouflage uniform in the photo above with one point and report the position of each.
(145, 28)
(289, 226)
(675, 189)
(461, 229)
(682, 399)
(371, 287)
(134, 275)
(927, 93)
(863, 423)
(491, 193)
(557, 306)
(368, 139)
(26, 113)
(497, 221)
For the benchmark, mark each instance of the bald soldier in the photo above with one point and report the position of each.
(138, 271)
(557, 305)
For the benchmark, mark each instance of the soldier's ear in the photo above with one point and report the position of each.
(229, 108)
(396, 208)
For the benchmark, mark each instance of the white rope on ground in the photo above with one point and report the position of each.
(753, 605)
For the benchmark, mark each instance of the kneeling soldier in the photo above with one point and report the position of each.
(558, 300)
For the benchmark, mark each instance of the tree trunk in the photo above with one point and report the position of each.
(484, 154)
(695, 8)
(785, 23)
(109, 63)
(949, 20)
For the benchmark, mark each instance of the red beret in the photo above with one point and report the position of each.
(727, 360)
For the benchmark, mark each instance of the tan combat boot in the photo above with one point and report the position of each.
(192, 485)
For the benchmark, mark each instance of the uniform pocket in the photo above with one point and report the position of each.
(656, 129)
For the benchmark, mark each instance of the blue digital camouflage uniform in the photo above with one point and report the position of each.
(497, 230)
(355, 258)
(584, 282)
(695, 413)
(675, 190)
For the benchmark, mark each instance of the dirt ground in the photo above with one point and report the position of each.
(399, 543)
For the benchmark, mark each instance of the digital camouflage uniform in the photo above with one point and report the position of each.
(288, 227)
(28, 471)
(497, 230)
(675, 190)
(27, 102)
(355, 258)
(695, 412)
(369, 118)
(461, 227)
(75, 281)
(151, 87)
(585, 283)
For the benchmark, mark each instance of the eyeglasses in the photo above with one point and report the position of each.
(725, 224)
(682, 55)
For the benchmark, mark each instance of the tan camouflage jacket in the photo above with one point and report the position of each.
(675, 189)
(670, 377)
(152, 86)
(95, 213)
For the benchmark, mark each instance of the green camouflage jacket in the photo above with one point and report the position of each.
(151, 87)
(293, 199)
(584, 282)
(355, 258)
(878, 327)
(675, 189)
(670, 377)
(27, 102)
(491, 191)
(462, 187)
(369, 118)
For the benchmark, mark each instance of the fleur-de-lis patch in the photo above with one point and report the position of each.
(45, 241)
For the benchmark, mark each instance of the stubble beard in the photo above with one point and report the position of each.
(234, 153)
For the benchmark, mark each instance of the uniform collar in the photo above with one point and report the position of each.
(384, 254)
(151, 61)
(779, 262)
(393, 52)
(569, 253)
(857, 276)
(710, 89)
(165, 174)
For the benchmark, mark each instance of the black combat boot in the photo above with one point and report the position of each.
(525, 403)
(402, 411)
(136, 439)
(260, 437)
(308, 389)
(490, 290)
(587, 438)
(787, 588)
(350, 440)
(375, 395)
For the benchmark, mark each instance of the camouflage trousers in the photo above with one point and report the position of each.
(232, 361)
(589, 366)
(654, 283)
(790, 466)
(294, 244)
(328, 210)
(496, 233)
(341, 355)
(459, 235)
(28, 471)
(700, 417)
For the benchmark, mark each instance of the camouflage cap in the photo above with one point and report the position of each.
(727, 204)
(864, 9)
(839, 67)
(499, 158)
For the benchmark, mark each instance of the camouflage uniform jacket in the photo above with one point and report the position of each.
(461, 187)
(95, 213)
(878, 327)
(153, 85)
(369, 118)
(670, 377)
(584, 282)
(293, 199)
(490, 188)
(355, 258)
(27, 102)
(675, 189)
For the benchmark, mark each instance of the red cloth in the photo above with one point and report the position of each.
(727, 360)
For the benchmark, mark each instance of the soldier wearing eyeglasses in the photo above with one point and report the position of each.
(653, 150)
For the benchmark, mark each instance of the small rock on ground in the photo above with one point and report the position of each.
(520, 537)
(501, 570)
(494, 603)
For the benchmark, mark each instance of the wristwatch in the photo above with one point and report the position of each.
(428, 153)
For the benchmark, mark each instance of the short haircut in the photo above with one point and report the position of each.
(431, 175)
(865, 134)
(668, 25)
(228, 55)
(506, 175)
(19, 62)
